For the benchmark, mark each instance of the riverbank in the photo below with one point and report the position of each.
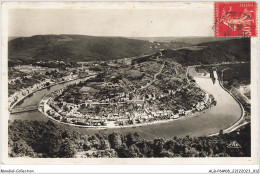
(21, 99)
(123, 127)
(236, 124)
(112, 124)
(43, 104)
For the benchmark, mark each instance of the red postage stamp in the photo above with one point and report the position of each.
(235, 19)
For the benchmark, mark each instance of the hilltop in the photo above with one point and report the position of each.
(89, 48)
(195, 40)
(214, 52)
(82, 47)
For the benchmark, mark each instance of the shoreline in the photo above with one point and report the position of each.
(227, 130)
(122, 127)
(11, 107)
(197, 113)
(236, 124)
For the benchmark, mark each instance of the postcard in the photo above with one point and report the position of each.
(129, 83)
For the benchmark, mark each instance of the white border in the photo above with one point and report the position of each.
(121, 5)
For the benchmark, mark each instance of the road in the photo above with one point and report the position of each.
(154, 77)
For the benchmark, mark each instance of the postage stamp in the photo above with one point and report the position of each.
(235, 19)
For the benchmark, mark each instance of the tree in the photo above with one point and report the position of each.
(133, 151)
(104, 144)
(131, 96)
(66, 108)
(21, 148)
(66, 150)
(165, 153)
(49, 140)
(86, 145)
(97, 109)
(115, 140)
(82, 106)
(221, 132)
(131, 139)
(51, 144)
(158, 147)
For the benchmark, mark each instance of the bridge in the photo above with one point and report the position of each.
(24, 109)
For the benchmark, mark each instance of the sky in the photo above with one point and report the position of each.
(112, 22)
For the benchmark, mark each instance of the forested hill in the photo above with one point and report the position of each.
(214, 52)
(82, 47)
(48, 140)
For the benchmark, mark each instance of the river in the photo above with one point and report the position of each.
(223, 115)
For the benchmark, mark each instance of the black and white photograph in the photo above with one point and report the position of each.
(127, 83)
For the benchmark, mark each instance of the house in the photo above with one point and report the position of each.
(160, 113)
(188, 112)
(116, 115)
(176, 116)
(112, 85)
(57, 116)
(169, 112)
(154, 114)
(181, 111)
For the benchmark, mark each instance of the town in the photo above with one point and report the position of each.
(124, 93)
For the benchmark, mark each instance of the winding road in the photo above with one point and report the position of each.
(154, 77)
